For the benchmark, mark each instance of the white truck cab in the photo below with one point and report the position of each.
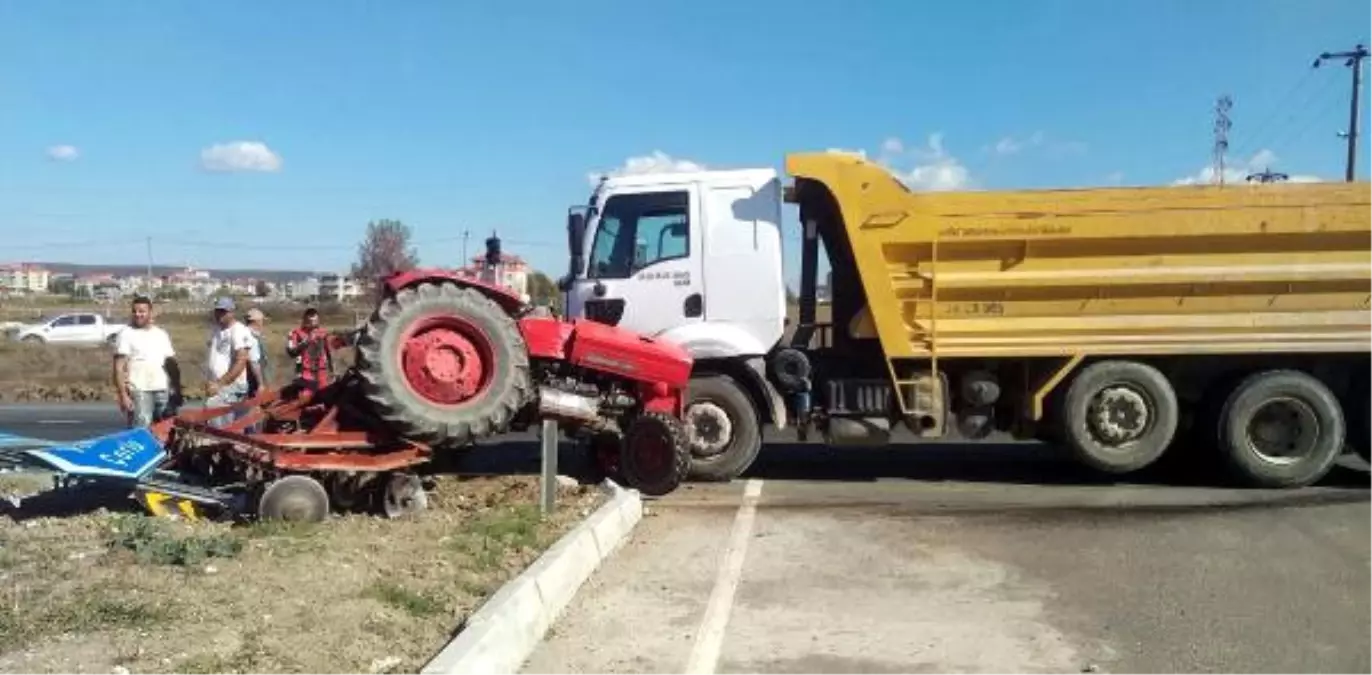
(693, 258)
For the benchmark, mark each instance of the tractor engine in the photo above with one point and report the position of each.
(449, 361)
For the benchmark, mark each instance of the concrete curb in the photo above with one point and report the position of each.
(502, 634)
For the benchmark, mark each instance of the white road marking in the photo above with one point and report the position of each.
(710, 636)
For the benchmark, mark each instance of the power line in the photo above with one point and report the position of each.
(1255, 142)
(1306, 77)
(246, 246)
(1353, 61)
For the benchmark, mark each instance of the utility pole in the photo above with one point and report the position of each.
(149, 280)
(1354, 61)
(465, 234)
(1222, 126)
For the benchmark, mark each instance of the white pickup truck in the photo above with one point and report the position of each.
(76, 328)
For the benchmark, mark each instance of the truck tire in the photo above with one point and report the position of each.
(1119, 416)
(444, 364)
(1281, 429)
(724, 432)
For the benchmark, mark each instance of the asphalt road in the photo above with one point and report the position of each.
(60, 422)
(999, 557)
(946, 557)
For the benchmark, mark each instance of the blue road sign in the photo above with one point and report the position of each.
(129, 454)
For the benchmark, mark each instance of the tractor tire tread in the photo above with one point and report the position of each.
(384, 384)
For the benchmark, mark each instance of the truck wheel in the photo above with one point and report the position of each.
(722, 428)
(1281, 429)
(1119, 416)
(656, 457)
(444, 364)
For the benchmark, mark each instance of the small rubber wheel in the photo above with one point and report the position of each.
(294, 498)
(656, 457)
(1281, 429)
(724, 431)
(1119, 416)
(403, 496)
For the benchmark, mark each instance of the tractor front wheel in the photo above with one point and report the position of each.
(656, 454)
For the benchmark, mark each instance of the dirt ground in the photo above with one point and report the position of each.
(60, 374)
(357, 593)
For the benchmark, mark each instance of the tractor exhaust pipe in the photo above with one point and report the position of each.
(567, 406)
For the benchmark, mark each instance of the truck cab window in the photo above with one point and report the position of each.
(638, 230)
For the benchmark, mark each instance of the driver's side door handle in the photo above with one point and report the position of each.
(694, 306)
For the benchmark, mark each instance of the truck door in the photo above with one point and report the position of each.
(63, 329)
(88, 329)
(643, 272)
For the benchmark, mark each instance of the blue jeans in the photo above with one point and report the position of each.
(227, 396)
(148, 407)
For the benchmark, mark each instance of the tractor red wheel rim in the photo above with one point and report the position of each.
(446, 359)
(653, 452)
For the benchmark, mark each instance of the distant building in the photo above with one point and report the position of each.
(338, 287)
(302, 289)
(511, 272)
(24, 278)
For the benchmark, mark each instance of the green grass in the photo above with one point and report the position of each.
(411, 602)
(497, 532)
(151, 543)
(95, 609)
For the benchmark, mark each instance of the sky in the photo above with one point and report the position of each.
(267, 134)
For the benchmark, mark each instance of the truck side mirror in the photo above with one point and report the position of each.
(576, 237)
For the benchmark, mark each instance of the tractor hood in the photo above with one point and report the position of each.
(628, 354)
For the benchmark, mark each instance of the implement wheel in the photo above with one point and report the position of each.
(444, 364)
(656, 454)
(294, 499)
(403, 495)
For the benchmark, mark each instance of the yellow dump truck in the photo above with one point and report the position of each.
(1118, 322)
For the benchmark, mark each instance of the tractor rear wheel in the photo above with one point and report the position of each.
(444, 364)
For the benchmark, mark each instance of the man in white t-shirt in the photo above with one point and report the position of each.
(141, 352)
(227, 366)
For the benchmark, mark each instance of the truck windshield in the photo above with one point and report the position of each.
(638, 230)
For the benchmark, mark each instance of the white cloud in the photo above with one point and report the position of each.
(1238, 171)
(1011, 145)
(1115, 178)
(931, 167)
(656, 162)
(63, 153)
(240, 156)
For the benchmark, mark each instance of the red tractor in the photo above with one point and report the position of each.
(450, 360)
(444, 361)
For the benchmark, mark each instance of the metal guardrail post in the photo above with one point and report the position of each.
(548, 482)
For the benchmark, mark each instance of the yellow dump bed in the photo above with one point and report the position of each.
(1198, 269)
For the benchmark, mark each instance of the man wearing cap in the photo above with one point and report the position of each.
(227, 366)
(257, 358)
